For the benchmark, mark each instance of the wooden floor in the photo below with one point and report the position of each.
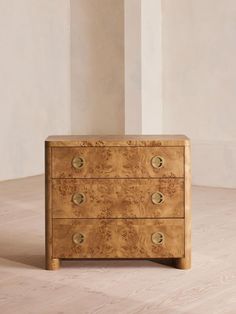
(100, 287)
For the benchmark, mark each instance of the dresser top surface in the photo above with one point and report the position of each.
(117, 140)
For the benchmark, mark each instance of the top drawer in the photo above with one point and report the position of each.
(117, 162)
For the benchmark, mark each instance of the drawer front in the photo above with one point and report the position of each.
(117, 162)
(118, 238)
(118, 198)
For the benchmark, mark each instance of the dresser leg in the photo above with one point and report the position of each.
(183, 263)
(53, 264)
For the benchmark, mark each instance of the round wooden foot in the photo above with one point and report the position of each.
(53, 264)
(182, 263)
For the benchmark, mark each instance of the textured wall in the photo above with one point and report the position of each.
(34, 81)
(199, 75)
(143, 105)
(97, 66)
(133, 67)
(151, 38)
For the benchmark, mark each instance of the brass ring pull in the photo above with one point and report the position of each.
(78, 198)
(78, 238)
(158, 238)
(78, 162)
(157, 198)
(157, 162)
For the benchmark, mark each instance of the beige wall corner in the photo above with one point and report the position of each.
(151, 34)
(143, 103)
(133, 57)
(97, 66)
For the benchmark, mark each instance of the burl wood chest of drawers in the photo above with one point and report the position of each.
(125, 197)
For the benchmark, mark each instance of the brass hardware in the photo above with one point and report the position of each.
(78, 162)
(157, 198)
(78, 238)
(158, 238)
(78, 198)
(157, 162)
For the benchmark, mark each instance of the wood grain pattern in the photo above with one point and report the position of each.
(118, 238)
(51, 264)
(185, 263)
(118, 198)
(117, 140)
(117, 162)
(116, 181)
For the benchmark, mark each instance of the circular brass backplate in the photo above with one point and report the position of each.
(157, 162)
(157, 198)
(78, 198)
(78, 162)
(158, 238)
(78, 238)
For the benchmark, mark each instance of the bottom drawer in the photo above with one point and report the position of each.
(118, 238)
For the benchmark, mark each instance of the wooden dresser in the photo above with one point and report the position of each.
(118, 197)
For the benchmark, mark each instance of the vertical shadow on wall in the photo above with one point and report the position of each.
(97, 66)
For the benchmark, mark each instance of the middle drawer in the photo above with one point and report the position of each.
(118, 198)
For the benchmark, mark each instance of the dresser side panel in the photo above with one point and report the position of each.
(188, 205)
(185, 262)
(49, 261)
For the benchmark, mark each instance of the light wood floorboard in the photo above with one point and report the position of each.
(122, 287)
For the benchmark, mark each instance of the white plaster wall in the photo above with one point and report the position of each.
(133, 66)
(38, 75)
(34, 81)
(143, 105)
(151, 77)
(199, 75)
(97, 66)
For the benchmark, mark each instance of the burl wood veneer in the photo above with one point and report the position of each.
(118, 197)
(118, 238)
